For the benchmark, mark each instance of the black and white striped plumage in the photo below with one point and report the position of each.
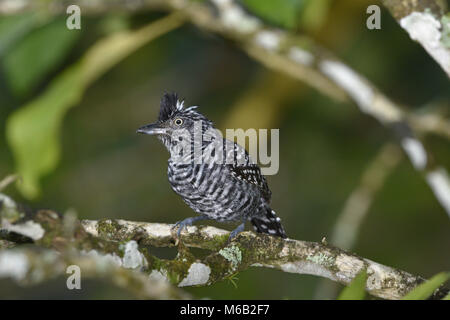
(217, 190)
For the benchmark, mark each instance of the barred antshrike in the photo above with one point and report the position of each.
(201, 172)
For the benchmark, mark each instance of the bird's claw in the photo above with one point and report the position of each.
(179, 225)
(235, 232)
(183, 224)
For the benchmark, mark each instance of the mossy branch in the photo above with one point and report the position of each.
(29, 266)
(257, 250)
(124, 244)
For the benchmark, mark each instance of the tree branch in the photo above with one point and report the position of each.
(60, 243)
(425, 23)
(124, 243)
(28, 266)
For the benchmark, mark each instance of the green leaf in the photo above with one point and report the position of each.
(426, 289)
(234, 279)
(356, 290)
(13, 28)
(33, 131)
(284, 13)
(40, 52)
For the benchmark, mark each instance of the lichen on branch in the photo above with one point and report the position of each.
(426, 22)
(125, 248)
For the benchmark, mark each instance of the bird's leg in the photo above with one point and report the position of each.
(187, 222)
(236, 231)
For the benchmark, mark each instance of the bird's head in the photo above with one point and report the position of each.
(174, 117)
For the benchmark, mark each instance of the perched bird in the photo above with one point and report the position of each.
(214, 176)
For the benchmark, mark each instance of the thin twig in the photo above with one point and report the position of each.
(357, 206)
(8, 180)
(358, 203)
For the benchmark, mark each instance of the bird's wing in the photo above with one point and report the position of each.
(252, 174)
(246, 170)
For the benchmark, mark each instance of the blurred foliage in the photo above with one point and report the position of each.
(38, 52)
(445, 21)
(284, 13)
(14, 28)
(314, 14)
(33, 131)
(356, 290)
(426, 289)
(89, 157)
(291, 14)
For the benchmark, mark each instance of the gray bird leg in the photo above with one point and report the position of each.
(236, 231)
(188, 222)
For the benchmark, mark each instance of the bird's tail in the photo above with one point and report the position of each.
(268, 223)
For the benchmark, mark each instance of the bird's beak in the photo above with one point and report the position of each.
(152, 128)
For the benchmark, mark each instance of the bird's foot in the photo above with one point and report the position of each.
(236, 231)
(185, 223)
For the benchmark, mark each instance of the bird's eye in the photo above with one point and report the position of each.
(178, 121)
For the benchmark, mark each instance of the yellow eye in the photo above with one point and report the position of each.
(178, 121)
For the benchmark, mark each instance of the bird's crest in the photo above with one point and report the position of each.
(170, 104)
